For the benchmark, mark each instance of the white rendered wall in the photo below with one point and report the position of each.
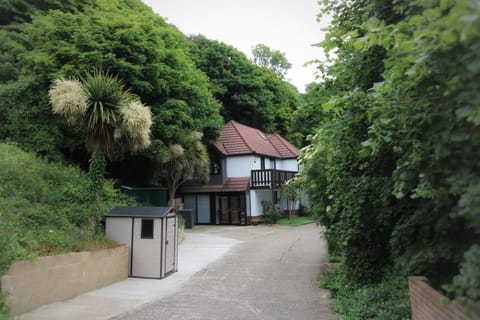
(240, 166)
(287, 164)
(257, 196)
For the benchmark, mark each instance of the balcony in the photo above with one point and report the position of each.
(269, 178)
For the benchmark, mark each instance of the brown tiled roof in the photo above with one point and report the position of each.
(239, 139)
(231, 185)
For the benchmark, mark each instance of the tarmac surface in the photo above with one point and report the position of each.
(225, 272)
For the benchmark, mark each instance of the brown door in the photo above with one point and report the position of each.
(231, 209)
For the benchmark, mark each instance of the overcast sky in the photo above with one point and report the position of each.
(289, 26)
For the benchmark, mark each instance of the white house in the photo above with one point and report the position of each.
(248, 166)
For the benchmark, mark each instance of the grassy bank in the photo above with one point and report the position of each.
(45, 208)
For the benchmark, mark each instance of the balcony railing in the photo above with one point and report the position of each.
(269, 178)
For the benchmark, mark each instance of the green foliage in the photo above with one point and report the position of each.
(392, 168)
(27, 119)
(271, 59)
(186, 158)
(122, 37)
(252, 95)
(44, 207)
(101, 106)
(105, 96)
(466, 283)
(3, 308)
(181, 222)
(291, 191)
(310, 114)
(386, 300)
(270, 212)
(298, 221)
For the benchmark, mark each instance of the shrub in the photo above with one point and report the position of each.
(3, 308)
(270, 213)
(385, 300)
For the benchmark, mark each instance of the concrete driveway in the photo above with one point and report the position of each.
(271, 274)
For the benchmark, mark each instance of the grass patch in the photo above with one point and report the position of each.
(385, 300)
(297, 221)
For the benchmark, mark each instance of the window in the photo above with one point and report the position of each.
(215, 167)
(275, 197)
(262, 163)
(147, 229)
(273, 164)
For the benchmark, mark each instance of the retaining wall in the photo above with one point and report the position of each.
(427, 303)
(30, 284)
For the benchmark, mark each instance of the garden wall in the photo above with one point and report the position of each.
(30, 284)
(427, 303)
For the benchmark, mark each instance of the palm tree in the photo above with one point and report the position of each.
(113, 121)
(188, 158)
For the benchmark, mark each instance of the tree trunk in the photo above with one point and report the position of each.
(171, 194)
(96, 176)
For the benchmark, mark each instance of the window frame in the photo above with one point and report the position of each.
(143, 228)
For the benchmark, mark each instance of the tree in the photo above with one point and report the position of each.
(112, 120)
(393, 161)
(271, 59)
(124, 37)
(291, 191)
(186, 158)
(252, 95)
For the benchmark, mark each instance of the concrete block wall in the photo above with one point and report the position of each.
(427, 304)
(30, 284)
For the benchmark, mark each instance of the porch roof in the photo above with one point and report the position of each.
(230, 185)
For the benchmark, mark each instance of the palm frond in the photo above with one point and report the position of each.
(105, 96)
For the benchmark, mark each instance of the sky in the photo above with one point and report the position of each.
(289, 26)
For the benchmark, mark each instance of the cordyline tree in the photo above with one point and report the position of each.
(112, 119)
(186, 158)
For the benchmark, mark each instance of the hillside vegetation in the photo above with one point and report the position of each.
(47, 40)
(45, 207)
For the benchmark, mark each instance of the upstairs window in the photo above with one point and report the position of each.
(215, 167)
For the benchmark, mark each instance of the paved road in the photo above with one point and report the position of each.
(272, 274)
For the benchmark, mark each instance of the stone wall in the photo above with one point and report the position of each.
(427, 303)
(30, 284)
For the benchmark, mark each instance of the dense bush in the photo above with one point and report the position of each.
(393, 167)
(44, 207)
